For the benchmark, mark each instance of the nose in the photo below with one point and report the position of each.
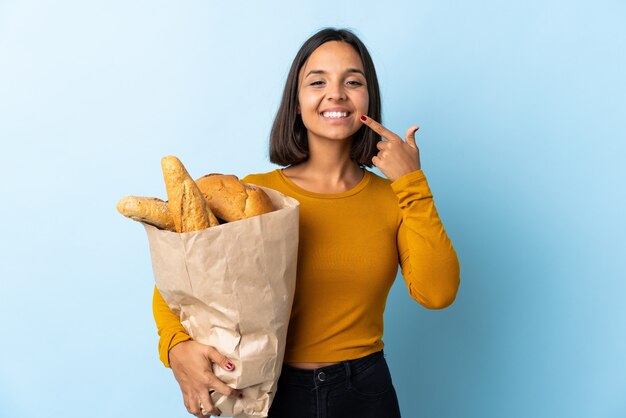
(336, 91)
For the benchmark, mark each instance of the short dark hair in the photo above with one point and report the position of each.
(288, 138)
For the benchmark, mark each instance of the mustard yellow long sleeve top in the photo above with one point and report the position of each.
(350, 246)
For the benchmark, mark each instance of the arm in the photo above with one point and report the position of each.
(430, 266)
(190, 361)
(171, 331)
(429, 263)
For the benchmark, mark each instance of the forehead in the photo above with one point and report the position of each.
(332, 56)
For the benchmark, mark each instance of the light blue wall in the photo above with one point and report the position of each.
(521, 106)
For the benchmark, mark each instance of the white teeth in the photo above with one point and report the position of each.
(335, 114)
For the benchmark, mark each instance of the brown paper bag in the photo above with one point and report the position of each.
(233, 287)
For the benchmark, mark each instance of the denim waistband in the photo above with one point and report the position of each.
(330, 374)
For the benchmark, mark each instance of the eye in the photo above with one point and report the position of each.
(355, 83)
(316, 83)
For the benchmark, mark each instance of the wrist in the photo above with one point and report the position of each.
(175, 349)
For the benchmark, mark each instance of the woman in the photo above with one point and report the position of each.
(355, 228)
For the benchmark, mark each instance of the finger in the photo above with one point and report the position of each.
(410, 135)
(375, 160)
(223, 388)
(207, 407)
(380, 129)
(223, 361)
(381, 145)
(192, 404)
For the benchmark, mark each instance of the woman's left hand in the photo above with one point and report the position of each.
(395, 157)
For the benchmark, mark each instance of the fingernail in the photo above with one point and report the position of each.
(363, 118)
(229, 365)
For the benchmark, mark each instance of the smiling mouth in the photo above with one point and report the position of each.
(335, 115)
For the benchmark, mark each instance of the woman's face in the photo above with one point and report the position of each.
(332, 93)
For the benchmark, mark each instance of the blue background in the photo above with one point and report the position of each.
(521, 106)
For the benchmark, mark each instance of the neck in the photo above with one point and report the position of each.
(330, 161)
(328, 169)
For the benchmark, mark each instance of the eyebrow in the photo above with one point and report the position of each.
(349, 70)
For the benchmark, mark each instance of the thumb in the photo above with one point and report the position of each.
(223, 361)
(410, 135)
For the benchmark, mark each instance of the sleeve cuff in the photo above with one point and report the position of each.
(409, 179)
(166, 344)
(411, 187)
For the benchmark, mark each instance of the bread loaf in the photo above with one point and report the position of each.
(186, 203)
(149, 210)
(231, 199)
(194, 205)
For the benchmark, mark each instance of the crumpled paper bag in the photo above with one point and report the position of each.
(233, 287)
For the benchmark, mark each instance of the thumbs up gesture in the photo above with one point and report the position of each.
(395, 157)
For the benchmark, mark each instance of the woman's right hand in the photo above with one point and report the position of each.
(191, 363)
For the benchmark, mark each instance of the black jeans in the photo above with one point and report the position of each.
(355, 388)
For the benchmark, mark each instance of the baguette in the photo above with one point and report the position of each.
(186, 203)
(231, 199)
(149, 210)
